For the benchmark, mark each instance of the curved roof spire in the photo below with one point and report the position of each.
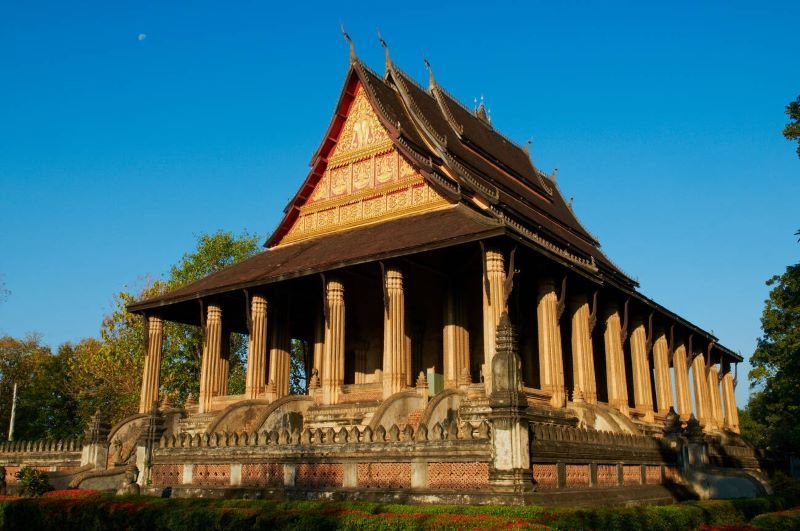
(350, 42)
(388, 60)
(431, 79)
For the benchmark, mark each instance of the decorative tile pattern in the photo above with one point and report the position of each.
(166, 474)
(607, 476)
(632, 474)
(320, 474)
(262, 474)
(653, 474)
(545, 475)
(384, 475)
(463, 476)
(363, 396)
(577, 476)
(212, 475)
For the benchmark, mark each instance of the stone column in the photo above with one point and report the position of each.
(642, 393)
(585, 387)
(731, 411)
(396, 355)
(279, 347)
(615, 361)
(256, 379)
(151, 374)
(223, 365)
(683, 396)
(456, 337)
(493, 308)
(714, 397)
(701, 401)
(333, 355)
(551, 366)
(661, 366)
(319, 342)
(211, 353)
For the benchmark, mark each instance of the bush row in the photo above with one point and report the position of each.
(105, 512)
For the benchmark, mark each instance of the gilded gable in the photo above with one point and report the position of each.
(366, 180)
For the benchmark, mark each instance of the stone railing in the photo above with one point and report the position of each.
(74, 444)
(344, 435)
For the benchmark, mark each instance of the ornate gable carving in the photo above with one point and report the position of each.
(366, 180)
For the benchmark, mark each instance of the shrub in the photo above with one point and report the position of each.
(32, 482)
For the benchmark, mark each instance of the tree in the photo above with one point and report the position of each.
(108, 373)
(45, 407)
(776, 365)
(792, 129)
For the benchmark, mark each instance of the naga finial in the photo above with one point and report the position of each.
(431, 79)
(385, 47)
(350, 42)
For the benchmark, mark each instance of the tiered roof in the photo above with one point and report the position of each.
(491, 181)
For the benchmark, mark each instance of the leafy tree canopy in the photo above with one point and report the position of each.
(776, 365)
(792, 130)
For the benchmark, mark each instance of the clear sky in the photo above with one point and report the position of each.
(127, 128)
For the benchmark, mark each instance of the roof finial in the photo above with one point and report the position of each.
(528, 144)
(553, 175)
(571, 199)
(431, 80)
(385, 47)
(480, 112)
(350, 42)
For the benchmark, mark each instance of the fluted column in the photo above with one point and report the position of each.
(683, 395)
(700, 380)
(661, 367)
(642, 392)
(279, 346)
(333, 354)
(551, 366)
(456, 337)
(319, 342)
(211, 352)
(715, 397)
(151, 374)
(396, 355)
(615, 361)
(493, 308)
(223, 365)
(583, 375)
(256, 379)
(731, 411)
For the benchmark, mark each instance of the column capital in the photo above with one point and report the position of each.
(494, 261)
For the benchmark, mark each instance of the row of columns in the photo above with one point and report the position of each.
(270, 354)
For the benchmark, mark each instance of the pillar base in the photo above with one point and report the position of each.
(516, 481)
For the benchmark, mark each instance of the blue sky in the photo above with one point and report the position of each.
(128, 128)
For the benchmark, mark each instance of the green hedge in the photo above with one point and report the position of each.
(105, 512)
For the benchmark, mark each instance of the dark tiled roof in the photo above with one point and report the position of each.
(435, 229)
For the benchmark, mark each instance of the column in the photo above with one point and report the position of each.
(493, 308)
(396, 354)
(456, 337)
(615, 361)
(319, 342)
(551, 366)
(661, 368)
(151, 374)
(223, 365)
(211, 353)
(333, 354)
(279, 347)
(256, 379)
(642, 393)
(715, 398)
(700, 379)
(731, 411)
(585, 387)
(683, 396)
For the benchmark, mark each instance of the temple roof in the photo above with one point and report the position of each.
(490, 182)
(439, 228)
(466, 159)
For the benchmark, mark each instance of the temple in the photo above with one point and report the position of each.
(471, 341)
